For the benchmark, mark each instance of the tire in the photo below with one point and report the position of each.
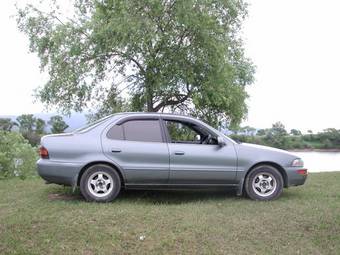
(100, 183)
(264, 183)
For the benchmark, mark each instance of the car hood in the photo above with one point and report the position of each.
(266, 149)
(252, 153)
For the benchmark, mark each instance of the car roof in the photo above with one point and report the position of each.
(152, 113)
(174, 115)
(155, 114)
(127, 115)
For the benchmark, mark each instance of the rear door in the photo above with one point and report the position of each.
(194, 159)
(139, 148)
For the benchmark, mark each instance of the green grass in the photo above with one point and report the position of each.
(48, 219)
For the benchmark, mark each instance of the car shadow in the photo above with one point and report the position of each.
(60, 193)
(175, 196)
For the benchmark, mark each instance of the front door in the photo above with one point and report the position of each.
(138, 147)
(195, 156)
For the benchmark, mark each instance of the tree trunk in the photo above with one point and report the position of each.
(149, 104)
(149, 95)
(149, 101)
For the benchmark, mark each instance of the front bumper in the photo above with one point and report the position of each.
(294, 178)
(59, 172)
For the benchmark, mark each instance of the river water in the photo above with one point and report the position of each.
(320, 161)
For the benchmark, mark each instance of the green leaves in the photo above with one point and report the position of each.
(183, 56)
(31, 128)
(6, 124)
(27, 123)
(58, 125)
(17, 157)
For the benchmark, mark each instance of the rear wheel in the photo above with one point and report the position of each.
(264, 182)
(100, 183)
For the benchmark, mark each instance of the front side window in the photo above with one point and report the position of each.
(137, 130)
(181, 132)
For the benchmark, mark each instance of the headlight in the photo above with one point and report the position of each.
(297, 162)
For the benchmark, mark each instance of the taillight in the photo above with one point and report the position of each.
(43, 152)
(302, 171)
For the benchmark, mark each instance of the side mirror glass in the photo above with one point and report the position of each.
(220, 141)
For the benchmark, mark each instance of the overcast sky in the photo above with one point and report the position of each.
(295, 45)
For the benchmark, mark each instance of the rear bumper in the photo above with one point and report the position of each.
(294, 178)
(59, 172)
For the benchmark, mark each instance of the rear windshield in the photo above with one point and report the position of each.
(91, 125)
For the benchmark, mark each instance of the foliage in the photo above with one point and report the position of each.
(185, 56)
(295, 132)
(7, 124)
(112, 104)
(247, 130)
(58, 125)
(27, 123)
(330, 137)
(31, 128)
(278, 129)
(40, 126)
(277, 136)
(261, 132)
(180, 132)
(17, 156)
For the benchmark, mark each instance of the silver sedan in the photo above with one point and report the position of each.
(163, 151)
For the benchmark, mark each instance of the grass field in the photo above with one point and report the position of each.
(48, 219)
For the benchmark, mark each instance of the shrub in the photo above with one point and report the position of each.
(17, 156)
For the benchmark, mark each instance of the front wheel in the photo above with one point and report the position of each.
(100, 183)
(264, 182)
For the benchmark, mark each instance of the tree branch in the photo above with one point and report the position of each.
(119, 54)
(168, 102)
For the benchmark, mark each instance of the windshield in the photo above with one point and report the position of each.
(91, 125)
(232, 139)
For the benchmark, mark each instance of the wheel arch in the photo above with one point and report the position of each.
(82, 171)
(273, 164)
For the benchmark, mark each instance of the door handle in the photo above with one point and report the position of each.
(179, 153)
(115, 150)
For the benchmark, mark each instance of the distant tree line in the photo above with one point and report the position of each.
(33, 128)
(277, 136)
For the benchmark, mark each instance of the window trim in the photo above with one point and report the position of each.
(128, 118)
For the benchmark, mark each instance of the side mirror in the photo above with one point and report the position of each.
(220, 141)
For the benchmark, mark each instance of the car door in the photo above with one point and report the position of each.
(195, 161)
(139, 148)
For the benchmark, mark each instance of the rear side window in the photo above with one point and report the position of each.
(116, 132)
(143, 130)
(137, 130)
